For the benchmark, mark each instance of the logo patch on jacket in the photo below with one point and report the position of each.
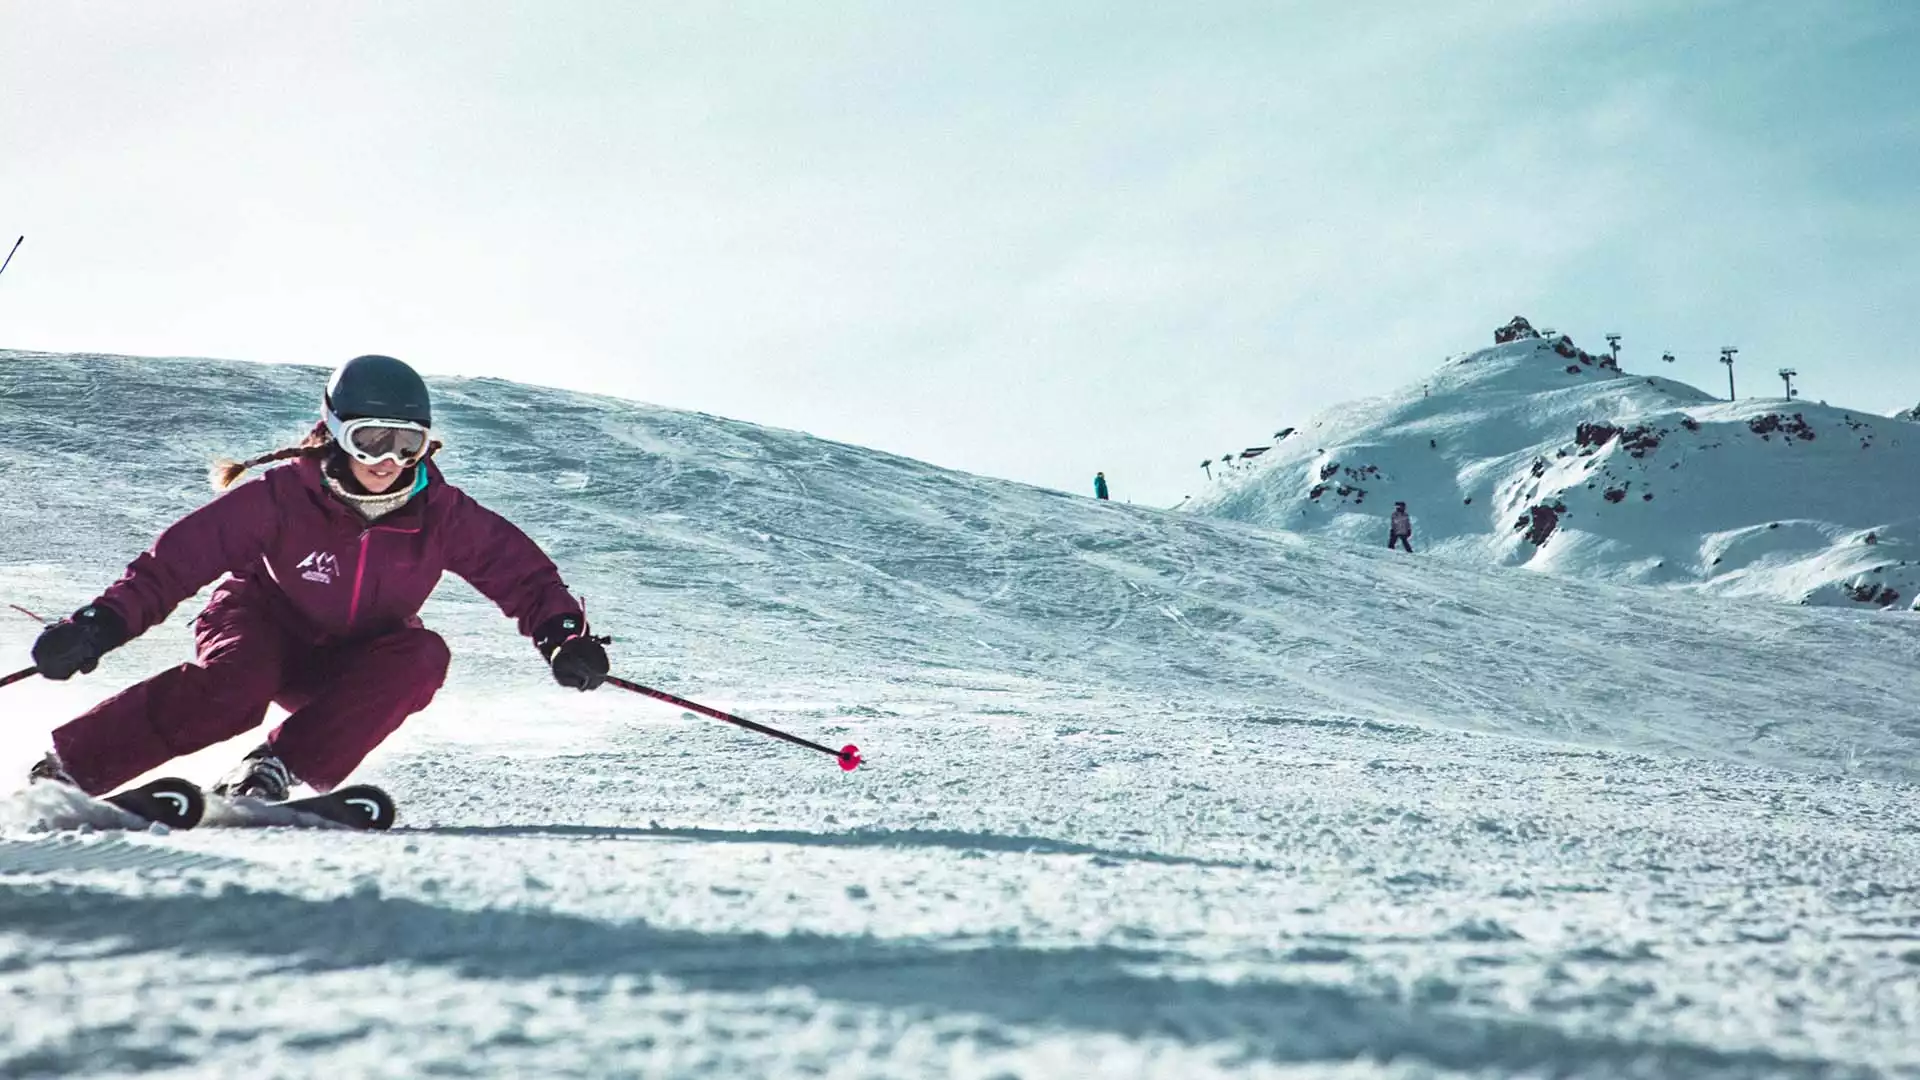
(320, 566)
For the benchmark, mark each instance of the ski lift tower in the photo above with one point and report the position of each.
(1726, 357)
(1787, 376)
(1613, 342)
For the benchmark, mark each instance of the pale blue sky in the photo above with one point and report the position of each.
(1028, 240)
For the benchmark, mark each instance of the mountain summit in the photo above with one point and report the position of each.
(1537, 453)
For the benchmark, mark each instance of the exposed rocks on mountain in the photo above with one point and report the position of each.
(1540, 521)
(1365, 472)
(1344, 491)
(1869, 593)
(1594, 435)
(1638, 441)
(1514, 331)
(1792, 428)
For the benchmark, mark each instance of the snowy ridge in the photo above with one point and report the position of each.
(1528, 454)
(1148, 793)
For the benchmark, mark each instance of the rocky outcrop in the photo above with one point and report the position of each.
(1638, 441)
(1540, 521)
(1516, 330)
(1869, 593)
(1789, 428)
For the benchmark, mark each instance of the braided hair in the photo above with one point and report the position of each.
(226, 471)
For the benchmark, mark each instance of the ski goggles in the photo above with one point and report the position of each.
(371, 441)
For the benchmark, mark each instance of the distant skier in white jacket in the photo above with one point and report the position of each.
(1400, 530)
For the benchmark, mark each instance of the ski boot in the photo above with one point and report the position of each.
(169, 801)
(49, 768)
(260, 775)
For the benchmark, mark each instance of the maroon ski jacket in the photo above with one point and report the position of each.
(327, 573)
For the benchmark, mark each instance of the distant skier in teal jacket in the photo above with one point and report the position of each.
(1100, 485)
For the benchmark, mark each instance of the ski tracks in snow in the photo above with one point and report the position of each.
(1148, 795)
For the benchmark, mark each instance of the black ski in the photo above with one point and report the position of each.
(169, 801)
(360, 806)
(357, 806)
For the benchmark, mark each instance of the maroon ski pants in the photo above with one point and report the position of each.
(344, 698)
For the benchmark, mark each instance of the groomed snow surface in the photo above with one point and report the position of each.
(1148, 793)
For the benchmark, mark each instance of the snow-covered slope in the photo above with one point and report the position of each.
(1148, 794)
(1522, 454)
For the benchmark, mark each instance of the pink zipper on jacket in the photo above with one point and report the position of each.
(360, 570)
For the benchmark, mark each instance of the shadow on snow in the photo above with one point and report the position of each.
(1099, 989)
(877, 838)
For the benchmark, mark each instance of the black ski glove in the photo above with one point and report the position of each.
(578, 659)
(74, 646)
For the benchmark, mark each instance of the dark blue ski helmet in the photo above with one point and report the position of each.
(379, 387)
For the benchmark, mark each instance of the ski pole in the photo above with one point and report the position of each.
(848, 756)
(16, 247)
(32, 671)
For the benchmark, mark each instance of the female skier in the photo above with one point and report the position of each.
(330, 558)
